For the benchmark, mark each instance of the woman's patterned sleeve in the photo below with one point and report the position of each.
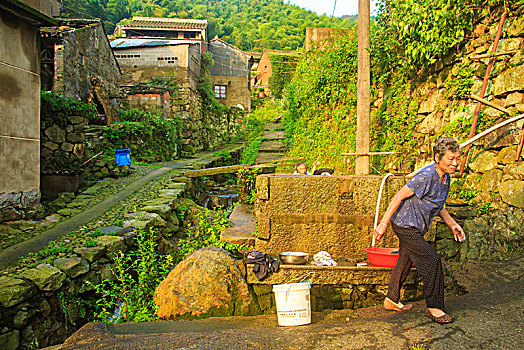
(419, 184)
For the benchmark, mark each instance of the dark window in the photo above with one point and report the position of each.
(220, 91)
(189, 35)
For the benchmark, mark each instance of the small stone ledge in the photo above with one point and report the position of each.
(324, 275)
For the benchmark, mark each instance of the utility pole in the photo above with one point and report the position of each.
(363, 88)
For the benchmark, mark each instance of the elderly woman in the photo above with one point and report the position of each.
(301, 169)
(411, 211)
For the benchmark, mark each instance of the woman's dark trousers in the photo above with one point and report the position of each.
(414, 249)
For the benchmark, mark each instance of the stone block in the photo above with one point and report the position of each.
(15, 290)
(322, 275)
(50, 145)
(310, 214)
(483, 161)
(75, 137)
(510, 44)
(90, 253)
(55, 134)
(45, 276)
(512, 192)
(490, 180)
(23, 317)
(72, 267)
(513, 99)
(112, 244)
(509, 81)
(10, 340)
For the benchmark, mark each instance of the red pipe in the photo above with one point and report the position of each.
(521, 143)
(482, 91)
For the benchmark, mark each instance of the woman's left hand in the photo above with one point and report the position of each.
(458, 233)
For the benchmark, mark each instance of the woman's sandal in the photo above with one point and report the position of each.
(392, 306)
(440, 319)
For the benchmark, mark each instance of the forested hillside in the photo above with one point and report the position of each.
(419, 48)
(251, 25)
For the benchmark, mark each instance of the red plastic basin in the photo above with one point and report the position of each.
(383, 257)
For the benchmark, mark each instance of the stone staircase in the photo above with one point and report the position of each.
(273, 147)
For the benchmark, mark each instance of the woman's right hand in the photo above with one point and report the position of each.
(379, 231)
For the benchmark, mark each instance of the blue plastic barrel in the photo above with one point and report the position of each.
(123, 157)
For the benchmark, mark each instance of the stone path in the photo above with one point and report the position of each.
(10, 255)
(489, 317)
(273, 147)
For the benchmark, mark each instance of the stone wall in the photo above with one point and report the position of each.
(42, 305)
(314, 213)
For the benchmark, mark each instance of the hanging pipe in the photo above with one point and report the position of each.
(482, 91)
(462, 145)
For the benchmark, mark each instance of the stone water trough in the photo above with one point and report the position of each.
(321, 213)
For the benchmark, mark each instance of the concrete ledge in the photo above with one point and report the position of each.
(324, 275)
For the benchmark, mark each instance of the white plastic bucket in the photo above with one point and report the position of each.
(293, 303)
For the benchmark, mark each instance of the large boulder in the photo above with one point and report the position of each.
(209, 282)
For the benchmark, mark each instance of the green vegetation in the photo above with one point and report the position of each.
(283, 66)
(320, 103)
(251, 25)
(406, 41)
(150, 137)
(246, 184)
(64, 108)
(137, 274)
(205, 233)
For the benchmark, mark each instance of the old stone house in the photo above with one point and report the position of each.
(275, 60)
(20, 103)
(231, 74)
(77, 62)
(143, 59)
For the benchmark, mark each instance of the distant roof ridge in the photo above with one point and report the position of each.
(165, 23)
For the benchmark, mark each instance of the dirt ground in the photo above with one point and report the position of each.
(489, 316)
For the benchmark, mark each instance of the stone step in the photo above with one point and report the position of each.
(243, 225)
(263, 157)
(273, 135)
(273, 146)
(272, 126)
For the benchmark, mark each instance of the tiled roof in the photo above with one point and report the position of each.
(166, 23)
(128, 43)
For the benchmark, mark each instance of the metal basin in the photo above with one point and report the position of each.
(293, 258)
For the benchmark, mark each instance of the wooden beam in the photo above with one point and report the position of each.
(489, 55)
(359, 154)
(491, 104)
(214, 171)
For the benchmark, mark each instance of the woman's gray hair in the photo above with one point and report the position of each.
(444, 144)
